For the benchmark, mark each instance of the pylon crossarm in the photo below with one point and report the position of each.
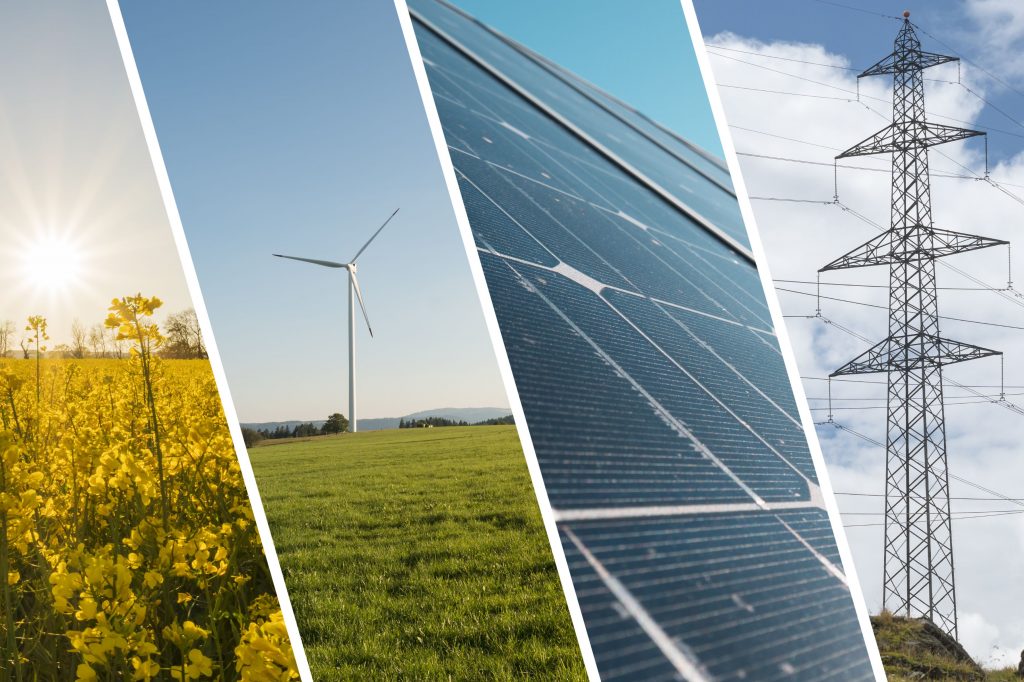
(885, 249)
(906, 135)
(948, 242)
(918, 60)
(951, 352)
(874, 359)
(903, 354)
(875, 251)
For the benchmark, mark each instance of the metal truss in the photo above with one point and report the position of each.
(918, 578)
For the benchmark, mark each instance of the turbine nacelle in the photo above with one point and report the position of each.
(350, 266)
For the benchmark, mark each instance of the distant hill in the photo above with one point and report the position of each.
(915, 649)
(467, 414)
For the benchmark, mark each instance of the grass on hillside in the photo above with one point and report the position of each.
(417, 554)
(912, 651)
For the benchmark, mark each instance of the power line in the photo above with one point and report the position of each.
(858, 9)
(780, 58)
(952, 518)
(972, 63)
(948, 402)
(801, 78)
(1016, 298)
(868, 286)
(876, 399)
(964, 513)
(974, 499)
(1013, 407)
(858, 97)
(794, 201)
(982, 488)
(845, 166)
(984, 178)
(787, 139)
(883, 383)
(857, 100)
(882, 307)
(783, 92)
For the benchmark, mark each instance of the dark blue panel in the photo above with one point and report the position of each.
(738, 589)
(533, 206)
(622, 649)
(722, 433)
(599, 442)
(493, 226)
(814, 526)
(754, 354)
(778, 427)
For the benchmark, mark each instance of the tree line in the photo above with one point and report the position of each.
(429, 422)
(335, 423)
(338, 423)
(183, 339)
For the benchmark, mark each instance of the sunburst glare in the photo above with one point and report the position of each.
(52, 263)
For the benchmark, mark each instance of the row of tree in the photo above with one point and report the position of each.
(183, 340)
(336, 423)
(443, 421)
(430, 422)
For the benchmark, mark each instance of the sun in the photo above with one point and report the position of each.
(52, 263)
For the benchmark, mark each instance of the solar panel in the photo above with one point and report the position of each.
(655, 392)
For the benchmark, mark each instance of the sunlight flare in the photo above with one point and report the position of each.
(52, 262)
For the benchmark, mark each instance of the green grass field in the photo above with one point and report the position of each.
(417, 554)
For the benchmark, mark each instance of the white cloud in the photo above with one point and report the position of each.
(998, 28)
(983, 439)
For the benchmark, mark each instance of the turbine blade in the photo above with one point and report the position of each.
(359, 295)
(325, 263)
(360, 252)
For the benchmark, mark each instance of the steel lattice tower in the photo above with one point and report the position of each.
(918, 577)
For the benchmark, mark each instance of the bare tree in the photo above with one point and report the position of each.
(98, 340)
(117, 347)
(184, 337)
(78, 337)
(25, 347)
(7, 331)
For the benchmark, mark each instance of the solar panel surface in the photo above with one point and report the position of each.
(642, 348)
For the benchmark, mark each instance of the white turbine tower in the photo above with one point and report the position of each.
(353, 293)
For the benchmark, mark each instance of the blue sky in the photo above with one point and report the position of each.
(298, 128)
(638, 51)
(864, 36)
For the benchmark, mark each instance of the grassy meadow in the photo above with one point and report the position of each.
(417, 554)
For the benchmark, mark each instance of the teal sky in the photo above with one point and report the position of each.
(638, 51)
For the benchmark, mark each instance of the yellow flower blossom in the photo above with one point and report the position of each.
(88, 521)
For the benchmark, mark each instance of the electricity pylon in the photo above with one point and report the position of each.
(918, 576)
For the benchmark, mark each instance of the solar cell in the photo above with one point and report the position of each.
(642, 349)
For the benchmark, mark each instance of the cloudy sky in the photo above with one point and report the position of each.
(815, 50)
(81, 218)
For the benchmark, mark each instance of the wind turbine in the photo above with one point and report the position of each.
(353, 293)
